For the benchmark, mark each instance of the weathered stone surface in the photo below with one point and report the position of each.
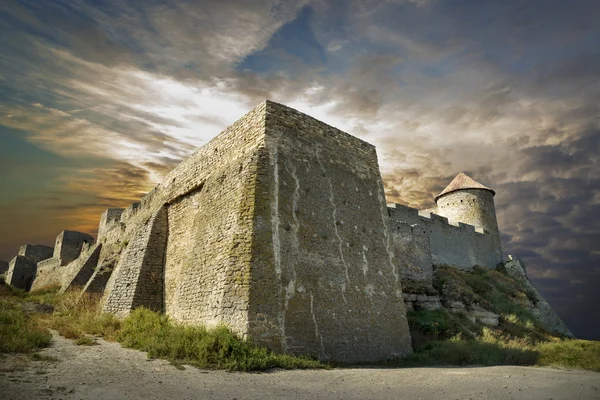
(36, 252)
(21, 272)
(548, 318)
(48, 273)
(109, 219)
(79, 272)
(412, 254)
(323, 278)
(486, 317)
(68, 245)
(139, 277)
(454, 244)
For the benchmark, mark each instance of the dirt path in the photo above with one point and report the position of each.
(109, 371)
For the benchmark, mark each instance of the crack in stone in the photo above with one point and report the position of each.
(274, 161)
(332, 201)
(314, 318)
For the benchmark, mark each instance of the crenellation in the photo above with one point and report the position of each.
(278, 227)
(37, 252)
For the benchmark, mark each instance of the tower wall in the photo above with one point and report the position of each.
(450, 243)
(323, 279)
(474, 207)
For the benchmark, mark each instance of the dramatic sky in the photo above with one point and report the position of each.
(99, 98)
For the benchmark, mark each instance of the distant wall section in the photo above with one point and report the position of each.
(459, 245)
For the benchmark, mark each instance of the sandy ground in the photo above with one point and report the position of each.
(108, 371)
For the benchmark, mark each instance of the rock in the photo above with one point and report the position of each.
(30, 307)
(483, 316)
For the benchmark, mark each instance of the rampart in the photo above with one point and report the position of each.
(3, 267)
(460, 245)
(36, 252)
(279, 228)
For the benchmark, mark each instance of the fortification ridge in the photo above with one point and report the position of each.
(278, 227)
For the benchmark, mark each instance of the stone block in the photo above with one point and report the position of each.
(36, 252)
(68, 245)
(21, 272)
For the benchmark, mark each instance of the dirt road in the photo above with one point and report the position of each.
(109, 371)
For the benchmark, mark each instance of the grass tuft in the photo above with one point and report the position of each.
(216, 348)
(20, 333)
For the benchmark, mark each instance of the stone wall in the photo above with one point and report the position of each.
(459, 245)
(79, 271)
(21, 272)
(139, 277)
(413, 256)
(36, 252)
(48, 273)
(210, 202)
(323, 279)
(109, 219)
(68, 245)
(474, 207)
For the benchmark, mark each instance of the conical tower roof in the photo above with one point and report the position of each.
(462, 181)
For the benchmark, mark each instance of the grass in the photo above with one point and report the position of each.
(77, 317)
(20, 333)
(439, 337)
(444, 338)
(216, 348)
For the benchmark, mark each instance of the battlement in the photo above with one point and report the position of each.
(278, 228)
(450, 242)
(402, 213)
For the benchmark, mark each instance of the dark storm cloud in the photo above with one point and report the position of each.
(507, 91)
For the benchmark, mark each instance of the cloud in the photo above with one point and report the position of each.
(505, 91)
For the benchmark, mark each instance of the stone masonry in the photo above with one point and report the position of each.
(22, 269)
(279, 228)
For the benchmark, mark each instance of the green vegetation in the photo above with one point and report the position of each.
(20, 333)
(77, 317)
(439, 337)
(444, 338)
(205, 348)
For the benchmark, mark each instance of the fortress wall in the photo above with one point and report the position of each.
(116, 238)
(413, 256)
(68, 245)
(48, 273)
(459, 245)
(108, 220)
(210, 201)
(36, 252)
(21, 272)
(79, 271)
(474, 207)
(139, 277)
(323, 277)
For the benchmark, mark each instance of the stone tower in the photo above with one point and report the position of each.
(468, 201)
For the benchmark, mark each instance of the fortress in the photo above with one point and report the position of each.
(279, 228)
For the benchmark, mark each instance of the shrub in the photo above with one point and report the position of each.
(204, 348)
